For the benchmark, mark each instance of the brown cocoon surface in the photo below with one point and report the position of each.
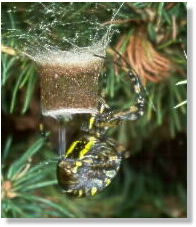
(70, 88)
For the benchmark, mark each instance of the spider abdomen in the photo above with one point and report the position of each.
(88, 168)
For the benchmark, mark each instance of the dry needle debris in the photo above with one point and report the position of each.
(8, 50)
(140, 53)
(7, 190)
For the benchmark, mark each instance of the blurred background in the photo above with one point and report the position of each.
(152, 181)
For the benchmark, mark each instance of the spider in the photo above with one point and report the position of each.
(92, 161)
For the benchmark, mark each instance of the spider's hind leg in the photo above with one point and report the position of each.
(135, 111)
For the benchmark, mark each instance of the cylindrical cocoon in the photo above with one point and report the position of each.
(70, 86)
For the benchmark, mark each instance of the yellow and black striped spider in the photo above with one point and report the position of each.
(92, 161)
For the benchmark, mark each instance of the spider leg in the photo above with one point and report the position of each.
(112, 118)
(135, 111)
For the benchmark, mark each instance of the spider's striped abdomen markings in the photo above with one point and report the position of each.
(88, 167)
(87, 148)
(74, 147)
